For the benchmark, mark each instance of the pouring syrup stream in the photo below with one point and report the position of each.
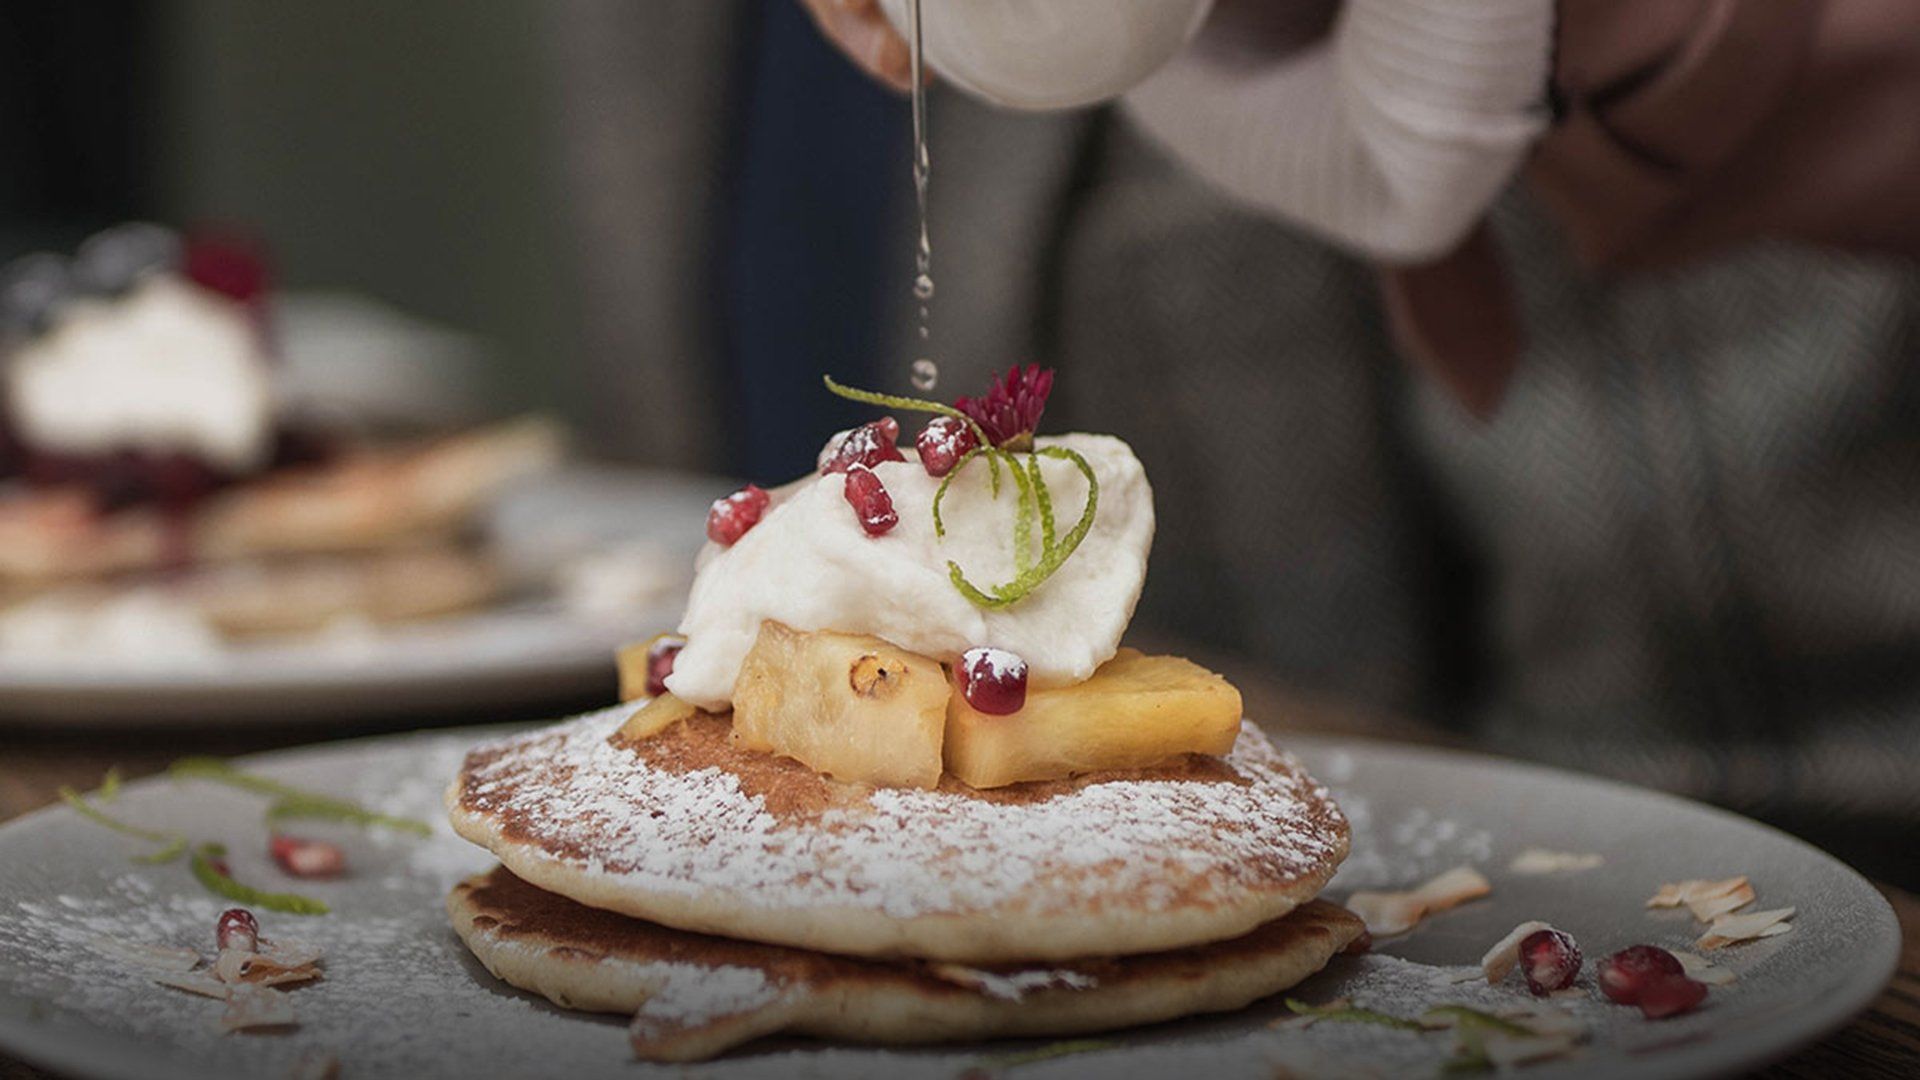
(925, 373)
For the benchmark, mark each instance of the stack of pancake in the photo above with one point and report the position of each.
(719, 895)
(384, 533)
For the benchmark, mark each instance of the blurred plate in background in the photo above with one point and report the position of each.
(535, 650)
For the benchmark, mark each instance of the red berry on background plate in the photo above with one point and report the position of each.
(661, 653)
(870, 501)
(237, 929)
(994, 681)
(868, 444)
(1550, 960)
(942, 443)
(307, 858)
(1626, 973)
(232, 264)
(731, 517)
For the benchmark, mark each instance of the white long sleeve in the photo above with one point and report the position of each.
(1390, 137)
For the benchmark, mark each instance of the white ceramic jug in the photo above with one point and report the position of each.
(1049, 54)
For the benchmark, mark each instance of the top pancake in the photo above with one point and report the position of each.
(684, 830)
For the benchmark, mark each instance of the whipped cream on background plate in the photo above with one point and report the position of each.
(808, 564)
(171, 368)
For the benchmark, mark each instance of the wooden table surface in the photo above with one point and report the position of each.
(1885, 1041)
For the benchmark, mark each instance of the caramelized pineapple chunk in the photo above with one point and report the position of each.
(847, 705)
(655, 717)
(1135, 711)
(632, 662)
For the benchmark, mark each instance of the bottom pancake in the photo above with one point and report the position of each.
(693, 996)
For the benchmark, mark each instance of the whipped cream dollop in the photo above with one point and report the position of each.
(809, 564)
(169, 368)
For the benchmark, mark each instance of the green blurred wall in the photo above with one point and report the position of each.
(399, 148)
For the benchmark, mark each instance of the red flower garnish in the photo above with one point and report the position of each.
(1009, 412)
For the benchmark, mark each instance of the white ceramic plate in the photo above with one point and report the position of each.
(522, 655)
(403, 999)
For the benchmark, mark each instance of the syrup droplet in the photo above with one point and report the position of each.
(923, 287)
(926, 374)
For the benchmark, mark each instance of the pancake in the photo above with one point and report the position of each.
(694, 996)
(367, 500)
(684, 830)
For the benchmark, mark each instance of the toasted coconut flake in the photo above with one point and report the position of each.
(1390, 913)
(289, 953)
(1453, 888)
(1500, 959)
(1542, 861)
(194, 982)
(1709, 908)
(150, 957)
(1733, 929)
(250, 1008)
(1701, 969)
(275, 964)
(239, 966)
(1676, 893)
(1387, 914)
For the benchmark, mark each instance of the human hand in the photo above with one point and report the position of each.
(861, 31)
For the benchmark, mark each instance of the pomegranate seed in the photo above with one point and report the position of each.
(868, 444)
(731, 517)
(237, 929)
(1626, 973)
(661, 654)
(1550, 960)
(1670, 995)
(219, 866)
(942, 443)
(870, 501)
(994, 681)
(307, 858)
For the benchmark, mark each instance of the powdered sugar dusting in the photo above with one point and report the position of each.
(1149, 844)
(688, 995)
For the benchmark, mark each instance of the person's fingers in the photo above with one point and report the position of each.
(861, 31)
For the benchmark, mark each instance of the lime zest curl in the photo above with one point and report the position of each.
(171, 842)
(293, 803)
(1034, 505)
(911, 404)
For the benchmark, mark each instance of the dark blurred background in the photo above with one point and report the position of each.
(413, 152)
